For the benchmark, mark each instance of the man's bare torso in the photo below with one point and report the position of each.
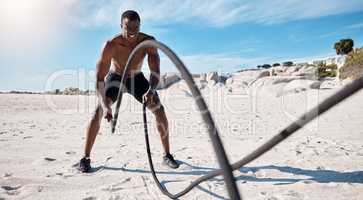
(121, 50)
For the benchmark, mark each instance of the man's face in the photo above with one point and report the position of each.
(130, 29)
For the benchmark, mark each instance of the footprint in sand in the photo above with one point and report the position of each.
(294, 195)
(108, 158)
(49, 159)
(308, 181)
(11, 190)
(117, 186)
(7, 174)
(52, 137)
(90, 198)
(70, 152)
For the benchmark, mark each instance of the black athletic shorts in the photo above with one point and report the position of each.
(136, 85)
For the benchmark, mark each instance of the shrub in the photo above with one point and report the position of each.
(276, 64)
(287, 64)
(355, 58)
(353, 67)
(327, 70)
(344, 46)
(266, 66)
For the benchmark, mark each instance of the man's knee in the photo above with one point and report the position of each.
(97, 115)
(157, 108)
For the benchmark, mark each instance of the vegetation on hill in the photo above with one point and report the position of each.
(353, 67)
(276, 64)
(344, 46)
(287, 64)
(327, 70)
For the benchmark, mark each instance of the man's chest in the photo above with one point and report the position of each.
(122, 54)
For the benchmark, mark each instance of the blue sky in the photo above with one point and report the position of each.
(40, 37)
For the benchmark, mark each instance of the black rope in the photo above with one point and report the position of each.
(212, 130)
(213, 133)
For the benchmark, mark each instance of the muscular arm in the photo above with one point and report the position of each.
(102, 68)
(154, 65)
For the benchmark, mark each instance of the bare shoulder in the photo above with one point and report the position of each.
(144, 36)
(117, 39)
(111, 44)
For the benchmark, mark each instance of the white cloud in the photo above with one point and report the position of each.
(216, 13)
(357, 25)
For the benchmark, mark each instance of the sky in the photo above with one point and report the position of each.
(49, 44)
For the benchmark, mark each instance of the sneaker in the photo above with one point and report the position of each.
(85, 165)
(168, 160)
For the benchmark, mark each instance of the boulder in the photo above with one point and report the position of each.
(264, 74)
(167, 80)
(212, 76)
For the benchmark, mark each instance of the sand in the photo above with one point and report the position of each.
(42, 139)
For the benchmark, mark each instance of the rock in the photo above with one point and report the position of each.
(264, 74)
(291, 70)
(306, 71)
(277, 71)
(212, 82)
(229, 81)
(351, 72)
(315, 85)
(167, 80)
(212, 76)
(203, 77)
(222, 79)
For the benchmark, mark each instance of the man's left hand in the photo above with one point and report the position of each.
(150, 97)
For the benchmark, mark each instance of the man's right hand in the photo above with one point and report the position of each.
(108, 113)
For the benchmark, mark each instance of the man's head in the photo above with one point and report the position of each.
(130, 24)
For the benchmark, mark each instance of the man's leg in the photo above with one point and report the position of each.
(91, 133)
(138, 86)
(94, 127)
(92, 130)
(162, 125)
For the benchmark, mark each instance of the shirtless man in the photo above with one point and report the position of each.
(109, 69)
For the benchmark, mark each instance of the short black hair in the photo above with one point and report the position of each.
(131, 15)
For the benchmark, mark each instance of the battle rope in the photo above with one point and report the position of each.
(212, 130)
(282, 135)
